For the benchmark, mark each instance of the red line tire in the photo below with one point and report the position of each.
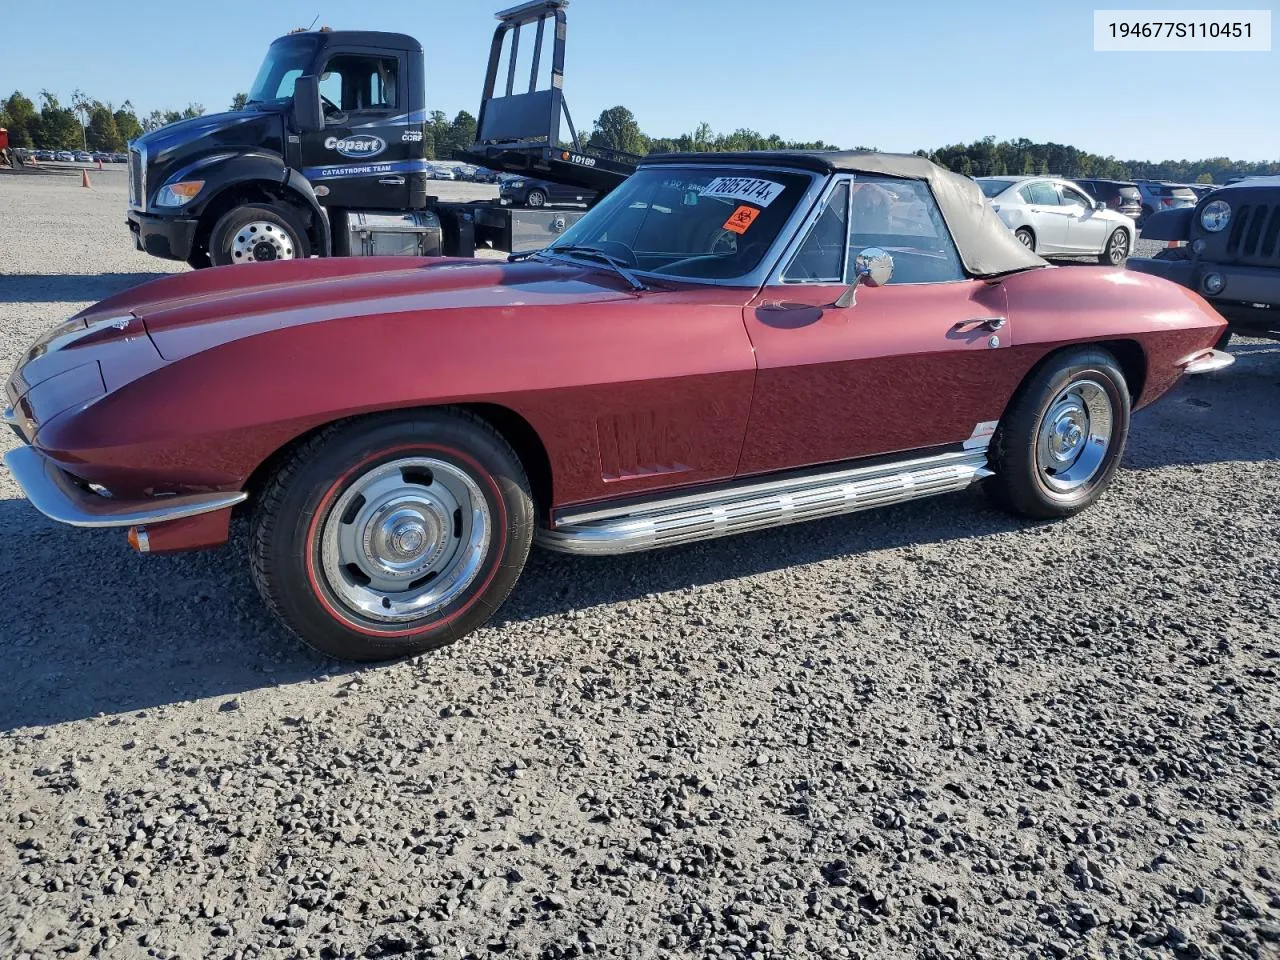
(383, 537)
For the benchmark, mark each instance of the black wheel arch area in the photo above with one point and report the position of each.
(1129, 355)
(263, 178)
(514, 429)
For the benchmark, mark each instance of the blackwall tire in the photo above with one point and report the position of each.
(1116, 251)
(387, 536)
(537, 198)
(256, 233)
(1061, 439)
(1026, 238)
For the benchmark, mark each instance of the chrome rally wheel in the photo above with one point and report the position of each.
(405, 539)
(384, 536)
(1061, 437)
(1075, 436)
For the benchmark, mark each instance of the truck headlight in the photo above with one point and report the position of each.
(176, 194)
(1215, 216)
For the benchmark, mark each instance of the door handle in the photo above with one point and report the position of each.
(984, 323)
(393, 181)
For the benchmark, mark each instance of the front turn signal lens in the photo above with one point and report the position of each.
(176, 194)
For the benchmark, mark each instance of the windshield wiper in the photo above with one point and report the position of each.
(595, 253)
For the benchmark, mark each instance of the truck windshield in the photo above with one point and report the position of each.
(287, 59)
(700, 222)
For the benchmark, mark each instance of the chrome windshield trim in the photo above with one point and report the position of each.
(756, 278)
(52, 492)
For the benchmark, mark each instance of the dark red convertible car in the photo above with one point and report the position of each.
(725, 342)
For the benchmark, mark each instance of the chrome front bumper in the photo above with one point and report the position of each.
(53, 492)
(1206, 361)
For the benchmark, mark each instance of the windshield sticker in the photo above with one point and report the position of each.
(741, 218)
(760, 192)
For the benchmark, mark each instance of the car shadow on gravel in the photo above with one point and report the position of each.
(68, 287)
(93, 628)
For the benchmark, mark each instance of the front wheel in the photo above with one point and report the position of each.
(254, 233)
(1117, 249)
(388, 536)
(537, 198)
(1060, 441)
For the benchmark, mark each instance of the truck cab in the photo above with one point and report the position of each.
(335, 119)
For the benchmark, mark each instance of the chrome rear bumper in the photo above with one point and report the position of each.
(1206, 361)
(53, 492)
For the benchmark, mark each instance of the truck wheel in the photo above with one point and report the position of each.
(384, 537)
(537, 198)
(255, 233)
(1060, 441)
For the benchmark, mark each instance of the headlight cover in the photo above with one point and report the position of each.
(176, 194)
(1215, 216)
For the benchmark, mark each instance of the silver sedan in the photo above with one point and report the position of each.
(1056, 217)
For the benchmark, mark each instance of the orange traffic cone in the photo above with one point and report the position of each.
(84, 178)
(99, 163)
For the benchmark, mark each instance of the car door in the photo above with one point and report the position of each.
(1046, 216)
(922, 362)
(362, 159)
(1087, 229)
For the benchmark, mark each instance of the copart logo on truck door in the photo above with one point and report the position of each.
(358, 147)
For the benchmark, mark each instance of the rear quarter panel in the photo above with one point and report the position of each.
(1061, 306)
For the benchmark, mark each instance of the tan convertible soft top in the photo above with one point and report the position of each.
(986, 247)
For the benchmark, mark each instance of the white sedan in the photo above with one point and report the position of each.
(1054, 216)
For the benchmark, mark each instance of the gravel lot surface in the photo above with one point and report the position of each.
(931, 731)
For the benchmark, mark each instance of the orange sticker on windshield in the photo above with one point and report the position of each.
(741, 218)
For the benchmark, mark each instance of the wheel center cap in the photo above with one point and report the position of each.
(264, 250)
(405, 540)
(1066, 437)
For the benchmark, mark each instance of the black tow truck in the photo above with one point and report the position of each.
(328, 156)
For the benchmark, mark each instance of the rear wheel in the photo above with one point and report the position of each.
(1117, 249)
(1025, 237)
(537, 198)
(254, 233)
(1060, 442)
(385, 537)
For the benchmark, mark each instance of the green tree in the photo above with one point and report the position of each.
(239, 100)
(59, 128)
(127, 123)
(617, 129)
(192, 110)
(1205, 177)
(462, 130)
(21, 119)
(102, 133)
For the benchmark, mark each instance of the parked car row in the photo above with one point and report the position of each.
(72, 156)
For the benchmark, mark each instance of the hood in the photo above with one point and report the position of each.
(190, 312)
(197, 128)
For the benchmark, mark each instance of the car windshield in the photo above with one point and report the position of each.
(993, 188)
(703, 222)
(285, 62)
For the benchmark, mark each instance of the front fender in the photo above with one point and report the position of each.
(1169, 224)
(222, 175)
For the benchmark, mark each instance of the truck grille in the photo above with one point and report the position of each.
(136, 198)
(1255, 234)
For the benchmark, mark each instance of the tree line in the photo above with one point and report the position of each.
(617, 129)
(85, 123)
(97, 125)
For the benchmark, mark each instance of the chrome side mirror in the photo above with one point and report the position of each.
(872, 266)
(1099, 205)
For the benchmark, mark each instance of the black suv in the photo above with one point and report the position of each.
(1122, 196)
(527, 192)
(1232, 252)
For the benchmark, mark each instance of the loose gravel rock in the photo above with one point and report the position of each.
(932, 731)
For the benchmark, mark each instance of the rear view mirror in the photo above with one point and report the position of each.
(308, 113)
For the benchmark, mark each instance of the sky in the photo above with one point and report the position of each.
(895, 76)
